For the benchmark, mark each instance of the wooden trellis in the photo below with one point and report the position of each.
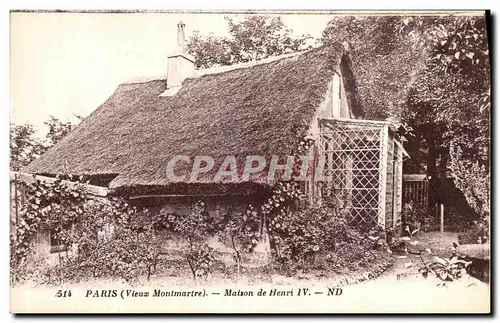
(362, 161)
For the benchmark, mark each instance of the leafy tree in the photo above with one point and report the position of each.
(194, 227)
(449, 106)
(209, 50)
(255, 37)
(24, 145)
(456, 42)
(454, 91)
(57, 130)
(384, 61)
(473, 180)
(241, 233)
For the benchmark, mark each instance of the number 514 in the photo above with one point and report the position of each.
(63, 293)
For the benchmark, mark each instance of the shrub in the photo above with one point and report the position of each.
(318, 238)
(200, 258)
(241, 233)
(299, 235)
(417, 218)
(195, 227)
(477, 233)
(473, 179)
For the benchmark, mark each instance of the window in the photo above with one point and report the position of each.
(56, 244)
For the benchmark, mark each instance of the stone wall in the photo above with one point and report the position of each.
(216, 207)
(173, 243)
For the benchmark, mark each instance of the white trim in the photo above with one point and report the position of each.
(357, 120)
(405, 153)
(398, 186)
(336, 103)
(384, 140)
(215, 70)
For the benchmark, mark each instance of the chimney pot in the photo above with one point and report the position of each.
(181, 37)
(180, 63)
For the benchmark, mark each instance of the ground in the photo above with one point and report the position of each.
(440, 244)
(398, 289)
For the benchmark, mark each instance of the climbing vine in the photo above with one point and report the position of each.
(242, 234)
(98, 237)
(194, 227)
(50, 206)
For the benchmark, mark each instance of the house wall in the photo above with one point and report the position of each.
(345, 110)
(42, 245)
(334, 105)
(398, 184)
(217, 207)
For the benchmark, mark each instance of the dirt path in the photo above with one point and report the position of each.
(404, 289)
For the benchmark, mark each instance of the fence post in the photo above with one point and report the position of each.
(442, 217)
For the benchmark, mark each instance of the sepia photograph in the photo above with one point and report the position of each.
(250, 161)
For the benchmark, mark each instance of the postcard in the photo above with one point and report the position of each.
(250, 162)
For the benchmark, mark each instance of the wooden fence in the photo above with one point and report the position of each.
(416, 190)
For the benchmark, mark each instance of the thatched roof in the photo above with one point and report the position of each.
(258, 110)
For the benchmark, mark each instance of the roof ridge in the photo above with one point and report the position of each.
(227, 68)
(220, 69)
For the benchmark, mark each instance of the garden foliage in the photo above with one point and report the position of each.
(99, 238)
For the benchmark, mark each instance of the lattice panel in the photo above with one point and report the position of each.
(352, 151)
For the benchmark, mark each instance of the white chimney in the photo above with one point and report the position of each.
(181, 34)
(180, 63)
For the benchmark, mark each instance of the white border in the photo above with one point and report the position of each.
(184, 4)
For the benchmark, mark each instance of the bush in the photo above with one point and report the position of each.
(299, 235)
(318, 238)
(115, 239)
(417, 219)
(200, 258)
(478, 233)
(194, 227)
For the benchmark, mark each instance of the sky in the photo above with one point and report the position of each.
(69, 63)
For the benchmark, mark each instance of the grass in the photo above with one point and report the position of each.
(440, 243)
